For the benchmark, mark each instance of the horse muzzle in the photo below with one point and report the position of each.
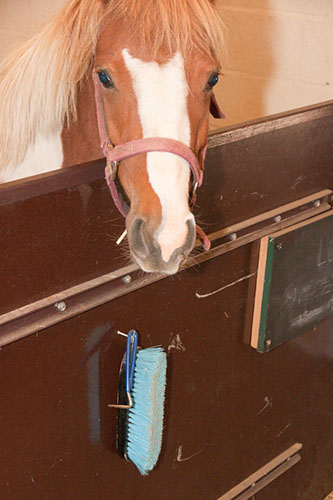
(151, 255)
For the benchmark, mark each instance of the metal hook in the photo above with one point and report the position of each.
(131, 350)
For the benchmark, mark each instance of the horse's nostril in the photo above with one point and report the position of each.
(138, 242)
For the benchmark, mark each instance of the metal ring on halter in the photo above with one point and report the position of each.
(193, 191)
(112, 168)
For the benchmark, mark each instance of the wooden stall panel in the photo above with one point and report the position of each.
(60, 229)
(229, 409)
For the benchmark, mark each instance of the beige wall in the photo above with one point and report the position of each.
(20, 19)
(280, 56)
(280, 52)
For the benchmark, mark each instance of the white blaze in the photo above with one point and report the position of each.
(161, 92)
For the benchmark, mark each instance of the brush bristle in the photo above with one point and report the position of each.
(145, 418)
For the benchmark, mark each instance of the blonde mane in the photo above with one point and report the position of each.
(39, 82)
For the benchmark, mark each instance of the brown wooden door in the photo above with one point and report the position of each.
(229, 409)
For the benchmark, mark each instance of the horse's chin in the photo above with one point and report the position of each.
(152, 267)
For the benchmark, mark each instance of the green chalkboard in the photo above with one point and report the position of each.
(294, 282)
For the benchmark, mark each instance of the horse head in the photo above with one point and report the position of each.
(155, 63)
(164, 95)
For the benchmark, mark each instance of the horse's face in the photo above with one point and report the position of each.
(167, 97)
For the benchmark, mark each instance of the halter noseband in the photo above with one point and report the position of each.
(115, 154)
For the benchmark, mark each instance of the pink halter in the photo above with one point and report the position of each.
(115, 154)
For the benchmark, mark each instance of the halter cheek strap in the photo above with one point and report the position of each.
(115, 154)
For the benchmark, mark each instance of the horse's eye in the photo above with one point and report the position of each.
(212, 81)
(105, 79)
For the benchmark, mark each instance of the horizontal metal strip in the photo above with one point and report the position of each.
(68, 303)
(65, 294)
(265, 475)
(315, 200)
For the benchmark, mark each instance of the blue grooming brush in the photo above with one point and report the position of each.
(141, 394)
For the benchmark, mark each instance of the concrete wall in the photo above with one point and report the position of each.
(280, 52)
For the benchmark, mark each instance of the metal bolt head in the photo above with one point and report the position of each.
(232, 236)
(277, 218)
(268, 342)
(127, 279)
(61, 306)
(316, 203)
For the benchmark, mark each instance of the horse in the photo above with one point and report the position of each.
(120, 72)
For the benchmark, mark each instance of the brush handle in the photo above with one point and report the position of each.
(131, 349)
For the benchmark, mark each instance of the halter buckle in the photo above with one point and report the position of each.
(112, 167)
(193, 193)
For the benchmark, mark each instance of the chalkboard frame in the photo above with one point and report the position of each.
(290, 287)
